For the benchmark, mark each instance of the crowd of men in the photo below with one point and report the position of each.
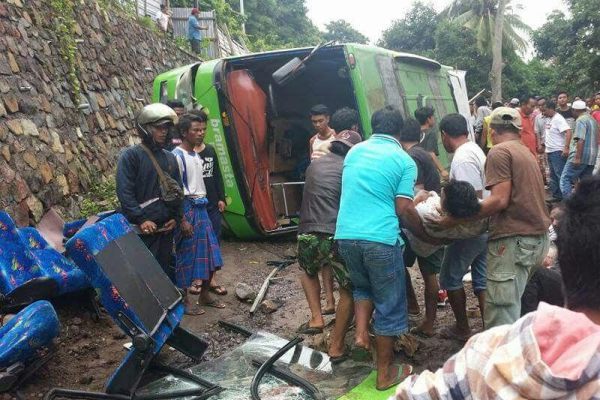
(362, 224)
(361, 202)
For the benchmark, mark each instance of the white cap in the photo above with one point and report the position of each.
(579, 105)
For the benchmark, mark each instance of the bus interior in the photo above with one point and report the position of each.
(272, 123)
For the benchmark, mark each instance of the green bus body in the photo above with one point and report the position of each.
(366, 77)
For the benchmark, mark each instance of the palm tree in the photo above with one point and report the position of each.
(496, 27)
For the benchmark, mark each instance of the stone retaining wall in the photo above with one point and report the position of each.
(51, 151)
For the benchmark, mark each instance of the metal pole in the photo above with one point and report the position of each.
(243, 15)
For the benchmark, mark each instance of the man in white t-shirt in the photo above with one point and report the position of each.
(557, 141)
(319, 117)
(468, 164)
(198, 255)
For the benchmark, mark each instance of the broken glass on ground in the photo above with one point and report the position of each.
(234, 372)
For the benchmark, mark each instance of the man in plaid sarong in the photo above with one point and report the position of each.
(198, 255)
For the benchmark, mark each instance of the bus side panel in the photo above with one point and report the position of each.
(427, 87)
(207, 97)
(368, 87)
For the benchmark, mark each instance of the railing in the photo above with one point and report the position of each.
(283, 185)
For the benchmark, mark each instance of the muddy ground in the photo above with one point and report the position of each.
(89, 351)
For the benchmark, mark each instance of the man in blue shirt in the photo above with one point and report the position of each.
(377, 188)
(194, 28)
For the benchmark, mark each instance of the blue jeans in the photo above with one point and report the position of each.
(377, 274)
(571, 174)
(461, 254)
(556, 163)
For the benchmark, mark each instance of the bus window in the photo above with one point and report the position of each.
(185, 89)
(164, 92)
(391, 89)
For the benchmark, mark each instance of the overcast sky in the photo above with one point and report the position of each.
(373, 16)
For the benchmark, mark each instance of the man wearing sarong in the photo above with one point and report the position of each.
(198, 255)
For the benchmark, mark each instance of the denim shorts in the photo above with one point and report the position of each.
(461, 254)
(377, 274)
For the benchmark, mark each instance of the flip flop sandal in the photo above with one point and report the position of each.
(418, 332)
(361, 354)
(328, 312)
(339, 359)
(193, 310)
(218, 289)
(404, 371)
(450, 333)
(195, 289)
(305, 329)
(213, 304)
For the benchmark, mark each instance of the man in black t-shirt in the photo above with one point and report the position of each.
(565, 110)
(215, 193)
(428, 179)
(429, 138)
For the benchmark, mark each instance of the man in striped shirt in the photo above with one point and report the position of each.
(583, 149)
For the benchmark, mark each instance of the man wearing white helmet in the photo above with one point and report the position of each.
(149, 184)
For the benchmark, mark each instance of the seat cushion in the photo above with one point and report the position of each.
(32, 329)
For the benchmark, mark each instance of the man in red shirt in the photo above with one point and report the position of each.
(528, 136)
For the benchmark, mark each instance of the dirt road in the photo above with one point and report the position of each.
(89, 352)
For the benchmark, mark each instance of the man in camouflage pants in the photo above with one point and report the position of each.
(316, 247)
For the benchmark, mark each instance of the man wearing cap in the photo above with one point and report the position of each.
(583, 150)
(518, 238)
(194, 31)
(138, 187)
(316, 249)
(514, 103)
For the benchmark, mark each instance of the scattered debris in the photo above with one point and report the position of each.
(407, 344)
(270, 306)
(244, 292)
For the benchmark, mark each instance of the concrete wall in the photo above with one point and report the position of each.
(50, 150)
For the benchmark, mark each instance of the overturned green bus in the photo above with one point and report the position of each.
(258, 106)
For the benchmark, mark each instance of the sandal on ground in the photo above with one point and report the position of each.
(218, 289)
(417, 331)
(306, 329)
(451, 333)
(191, 309)
(361, 354)
(404, 371)
(195, 289)
(330, 311)
(212, 303)
(341, 358)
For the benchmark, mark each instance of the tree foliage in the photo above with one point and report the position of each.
(272, 24)
(415, 32)
(571, 46)
(342, 31)
(446, 40)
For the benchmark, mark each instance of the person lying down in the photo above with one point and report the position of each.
(459, 200)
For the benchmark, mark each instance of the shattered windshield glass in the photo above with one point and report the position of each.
(234, 372)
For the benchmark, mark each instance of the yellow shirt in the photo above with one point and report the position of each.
(487, 131)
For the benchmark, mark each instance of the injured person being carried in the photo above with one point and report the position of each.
(458, 200)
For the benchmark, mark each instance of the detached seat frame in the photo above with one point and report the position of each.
(144, 303)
